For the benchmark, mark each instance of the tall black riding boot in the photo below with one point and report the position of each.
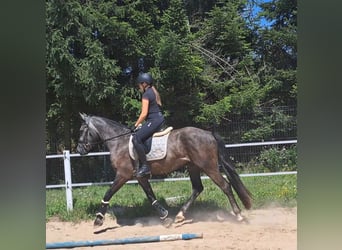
(144, 170)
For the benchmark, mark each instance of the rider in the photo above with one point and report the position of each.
(153, 117)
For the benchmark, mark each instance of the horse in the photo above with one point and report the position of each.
(197, 149)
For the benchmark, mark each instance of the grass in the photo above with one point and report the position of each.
(130, 201)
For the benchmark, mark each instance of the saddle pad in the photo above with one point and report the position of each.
(158, 148)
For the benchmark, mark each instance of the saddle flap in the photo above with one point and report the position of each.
(158, 147)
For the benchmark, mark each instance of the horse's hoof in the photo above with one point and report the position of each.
(220, 216)
(184, 222)
(98, 222)
(167, 222)
(240, 218)
(243, 220)
(179, 217)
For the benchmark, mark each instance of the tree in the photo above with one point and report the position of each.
(80, 71)
(177, 66)
(211, 60)
(240, 79)
(277, 49)
(231, 84)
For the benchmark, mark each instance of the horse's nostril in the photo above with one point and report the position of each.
(80, 149)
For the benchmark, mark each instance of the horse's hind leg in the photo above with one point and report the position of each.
(146, 186)
(226, 187)
(119, 181)
(197, 188)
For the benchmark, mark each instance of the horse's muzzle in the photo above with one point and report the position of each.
(83, 149)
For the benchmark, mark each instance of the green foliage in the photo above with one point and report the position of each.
(265, 123)
(225, 30)
(281, 191)
(210, 60)
(174, 19)
(214, 112)
(275, 160)
(277, 48)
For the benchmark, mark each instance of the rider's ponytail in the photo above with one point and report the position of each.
(158, 99)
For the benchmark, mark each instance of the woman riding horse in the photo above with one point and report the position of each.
(151, 112)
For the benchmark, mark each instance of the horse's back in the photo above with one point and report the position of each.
(194, 136)
(193, 130)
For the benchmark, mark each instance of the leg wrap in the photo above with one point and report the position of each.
(99, 214)
(163, 213)
(104, 202)
(103, 209)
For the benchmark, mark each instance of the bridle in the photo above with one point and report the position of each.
(86, 143)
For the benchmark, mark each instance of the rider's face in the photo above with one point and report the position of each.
(141, 87)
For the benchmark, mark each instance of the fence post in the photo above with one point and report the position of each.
(68, 183)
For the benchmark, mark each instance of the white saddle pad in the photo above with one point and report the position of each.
(158, 148)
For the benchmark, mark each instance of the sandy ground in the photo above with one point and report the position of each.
(272, 229)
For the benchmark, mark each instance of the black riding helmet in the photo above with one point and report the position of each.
(145, 77)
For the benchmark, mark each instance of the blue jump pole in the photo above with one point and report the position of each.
(144, 239)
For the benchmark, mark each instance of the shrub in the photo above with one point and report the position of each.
(275, 159)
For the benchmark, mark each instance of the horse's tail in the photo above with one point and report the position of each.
(229, 169)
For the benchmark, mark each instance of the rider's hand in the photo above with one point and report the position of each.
(133, 129)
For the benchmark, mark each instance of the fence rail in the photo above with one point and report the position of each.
(68, 180)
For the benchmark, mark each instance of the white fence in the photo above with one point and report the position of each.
(68, 180)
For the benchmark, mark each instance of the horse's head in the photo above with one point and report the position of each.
(88, 136)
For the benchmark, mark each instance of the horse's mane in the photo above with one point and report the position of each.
(111, 122)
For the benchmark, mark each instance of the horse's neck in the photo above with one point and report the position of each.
(115, 138)
(107, 130)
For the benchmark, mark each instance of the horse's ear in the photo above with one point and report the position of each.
(83, 116)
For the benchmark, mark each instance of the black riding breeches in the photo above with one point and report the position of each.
(146, 131)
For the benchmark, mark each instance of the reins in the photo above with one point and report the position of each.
(115, 137)
(108, 139)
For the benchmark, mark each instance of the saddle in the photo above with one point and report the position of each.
(155, 146)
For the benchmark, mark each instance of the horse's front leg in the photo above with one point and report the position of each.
(119, 181)
(146, 186)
